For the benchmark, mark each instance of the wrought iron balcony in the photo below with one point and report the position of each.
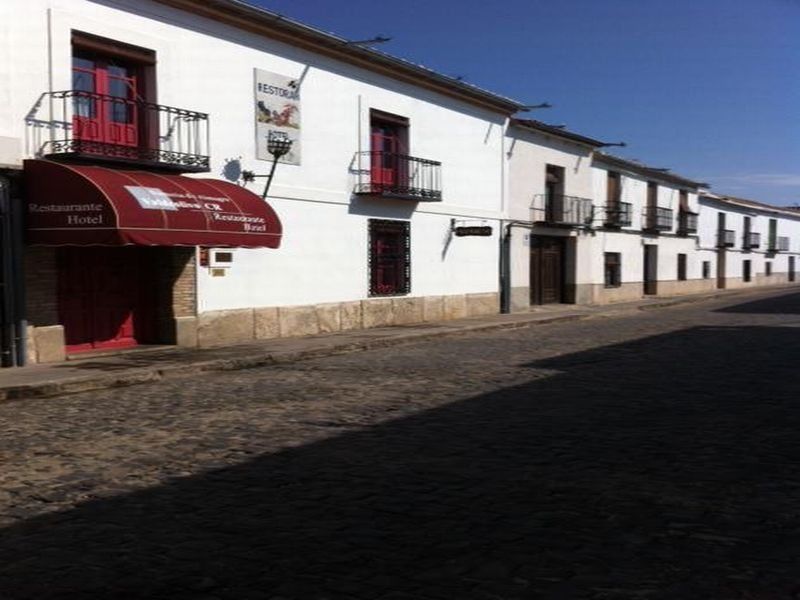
(778, 244)
(687, 222)
(94, 127)
(618, 214)
(726, 238)
(398, 176)
(657, 218)
(751, 240)
(558, 209)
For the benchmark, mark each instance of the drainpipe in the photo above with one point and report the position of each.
(18, 281)
(6, 276)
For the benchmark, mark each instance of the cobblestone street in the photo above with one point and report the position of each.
(653, 455)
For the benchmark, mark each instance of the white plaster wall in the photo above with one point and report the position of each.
(529, 153)
(208, 67)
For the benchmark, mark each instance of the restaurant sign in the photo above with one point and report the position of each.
(277, 111)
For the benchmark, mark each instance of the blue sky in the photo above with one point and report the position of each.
(708, 88)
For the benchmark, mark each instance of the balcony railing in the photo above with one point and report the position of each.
(557, 209)
(726, 238)
(398, 176)
(751, 240)
(778, 244)
(101, 128)
(687, 222)
(657, 218)
(618, 214)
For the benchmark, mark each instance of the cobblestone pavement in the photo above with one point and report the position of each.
(654, 455)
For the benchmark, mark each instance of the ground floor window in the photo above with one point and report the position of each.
(746, 270)
(681, 267)
(389, 257)
(613, 269)
(768, 268)
(706, 269)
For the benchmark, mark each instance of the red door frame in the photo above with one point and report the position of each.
(389, 143)
(113, 119)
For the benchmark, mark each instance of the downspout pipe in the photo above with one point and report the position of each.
(18, 280)
(7, 355)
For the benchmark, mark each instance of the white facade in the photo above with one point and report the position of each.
(727, 262)
(207, 66)
(584, 243)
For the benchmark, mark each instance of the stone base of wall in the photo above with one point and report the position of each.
(520, 299)
(216, 328)
(597, 293)
(690, 286)
(46, 344)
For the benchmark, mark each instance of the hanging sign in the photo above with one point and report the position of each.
(473, 231)
(277, 111)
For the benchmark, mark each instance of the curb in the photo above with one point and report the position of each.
(132, 377)
(136, 376)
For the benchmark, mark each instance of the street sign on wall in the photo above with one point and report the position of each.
(481, 231)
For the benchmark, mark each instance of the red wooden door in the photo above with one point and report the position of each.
(385, 151)
(107, 113)
(99, 297)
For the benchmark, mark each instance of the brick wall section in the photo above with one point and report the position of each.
(183, 274)
(41, 285)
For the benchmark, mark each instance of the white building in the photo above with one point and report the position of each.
(387, 159)
(744, 243)
(594, 228)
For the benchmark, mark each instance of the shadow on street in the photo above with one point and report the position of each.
(668, 467)
(788, 304)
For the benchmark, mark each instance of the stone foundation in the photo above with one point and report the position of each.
(217, 328)
(46, 344)
(690, 286)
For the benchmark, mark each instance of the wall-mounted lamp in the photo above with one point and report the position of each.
(278, 144)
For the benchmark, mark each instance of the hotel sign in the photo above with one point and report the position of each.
(277, 112)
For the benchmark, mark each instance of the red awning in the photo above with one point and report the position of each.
(79, 205)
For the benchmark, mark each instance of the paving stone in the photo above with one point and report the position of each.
(648, 455)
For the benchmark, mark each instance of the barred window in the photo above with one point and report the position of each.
(389, 257)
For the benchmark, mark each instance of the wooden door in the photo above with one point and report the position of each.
(721, 254)
(546, 270)
(99, 297)
(791, 268)
(650, 269)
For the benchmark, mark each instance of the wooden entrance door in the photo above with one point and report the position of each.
(721, 254)
(546, 270)
(100, 297)
(650, 269)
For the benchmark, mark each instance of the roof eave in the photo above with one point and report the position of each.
(263, 22)
(649, 172)
(556, 132)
